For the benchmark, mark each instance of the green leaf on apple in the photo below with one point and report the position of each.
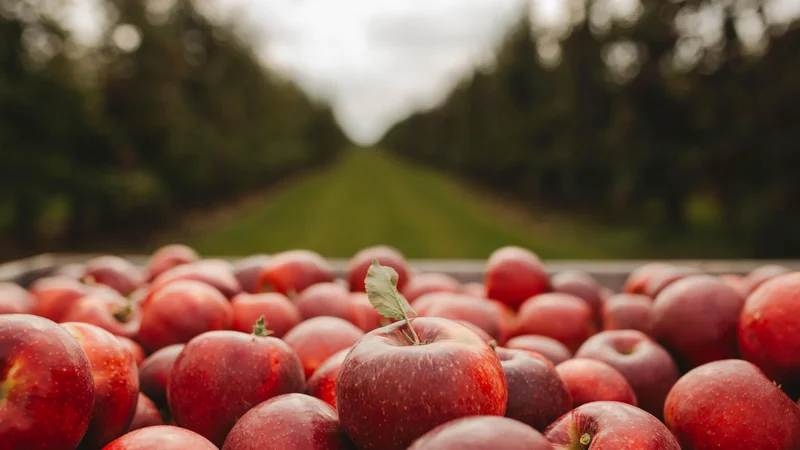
(381, 286)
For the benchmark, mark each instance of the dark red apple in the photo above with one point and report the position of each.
(46, 388)
(548, 347)
(182, 310)
(162, 437)
(665, 277)
(326, 299)
(147, 414)
(474, 289)
(579, 284)
(513, 275)
(696, 319)
(322, 384)
(214, 272)
(169, 256)
(731, 405)
(136, 350)
(116, 383)
(247, 271)
(424, 283)
(15, 300)
(647, 366)
(610, 426)
(368, 318)
(56, 295)
(154, 373)
(477, 311)
(386, 256)
(219, 366)
(115, 272)
(280, 313)
(482, 433)
(290, 272)
(759, 275)
(391, 391)
(536, 393)
(111, 312)
(289, 421)
(589, 380)
(317, 339)
(637, 281)
(627, 312)
(562, 317)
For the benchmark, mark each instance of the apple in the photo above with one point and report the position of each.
(581, 285)
(424, 283)
(154, 373)
(56, 295)
(169, 256)
(368, 318)
(116, 383)
(590, 380)
(513, 275)
(730, 404)
(474, 289)
(46, 387)
(218, 367)
(289, 421)
(637, 281)
(322, 384)
(696, 319)
(161, 437)
(562, 317)
(425, 301)
(548, 347)
(115, 272)
(326, 299)
(317, 339)
(214, 272)
(387, 256)
(647, 366)
(279, 312)
(477, 311)
(482, 433)
(627, 312)
(479, 331)
(147, 414)
(759, 275)
(109, 311)
(136, 350)
(72, 270)
(735, 281)
(291, 272)
(181, 310)
(536, 393)
(665, 277)
(610, 426)
(15, 300)
(247, 271)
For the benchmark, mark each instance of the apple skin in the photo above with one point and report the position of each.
(482, 433)
(114, 272)
(322, 384)
(326, 299)
(730, 404)
(169, 256)
(696, 319)
(116, 383)
(666, 277)
(72, 270)
(647, 366)
(317, 339)
(760, 275)
(627, 312)
(368, 318)
(289, 421)
(161, 437)
(769, 329)
(154, 373)
(590, 380)
(147, 414)
(291, 272)
(513, 275)
(214, 272)
(477, 311)
(481, 334)
(280, 313)
(562, 317)
(474, 289)
(735, 281)
(579, 284)
(610, 426)
(217, 366)
(386, 256)
(136, 350)
(424, 283)
(180, 311)
(248, 269)
(109, 311)
(536, 393)
(56, 295)
(554, 351)
(390, 393)
(637, 281)
(15, 300)
(46, 387)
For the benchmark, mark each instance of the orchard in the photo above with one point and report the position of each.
(278, 353)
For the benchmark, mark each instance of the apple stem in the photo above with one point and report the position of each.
(123, 314)
(260, 328)
(586, 439)
(414, 338)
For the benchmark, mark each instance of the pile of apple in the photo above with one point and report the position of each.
(275, 353)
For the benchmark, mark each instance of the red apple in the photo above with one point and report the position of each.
(322, 384)
(368, 318)
(550, 348)
(219, 366)
(115, 272)
(513, 275)
(317, 339)
(72, 270)
(562, 317)
(424, 283)
(290, 272)
(637, 281)
(589, 380)
(647, 366)
(162, 437)
(136, 350)
(169, 256)
(116, 383)
(247, 271)
(46, 390)
(474, 289)
(610, 426)
(735, 281)
(581, 285)
(147, 414)
(425, 301)
(477, 330)
(627, 312)
(696, 319)
(214, 272)
(477, 311)
(386, 256)
(111, 312)
(482, 433)
(758, 276)
(154, 373)
(326, 299)
(56, 295)
(536, 393)
(289, 421)
(182, 310)
(15, 300)
(665, 277)
(391, 391)
(731, 405)
(280, 313)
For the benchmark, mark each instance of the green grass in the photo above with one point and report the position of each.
(368, 198)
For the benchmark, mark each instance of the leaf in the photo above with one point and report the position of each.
(381, 284)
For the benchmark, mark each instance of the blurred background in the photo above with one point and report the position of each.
(446, 128)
